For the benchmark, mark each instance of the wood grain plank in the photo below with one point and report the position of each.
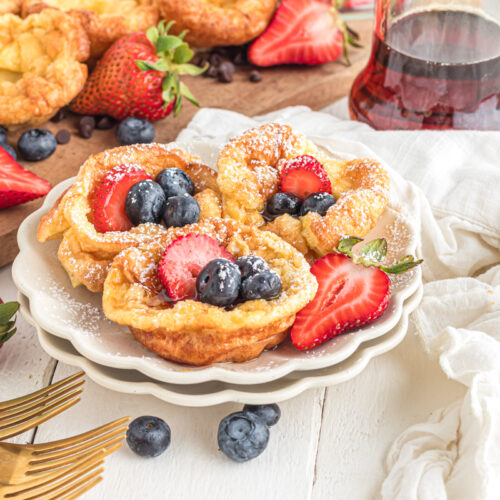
(24, 366)
(282, 86)
(193, 468)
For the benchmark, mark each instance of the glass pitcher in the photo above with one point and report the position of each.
(434, 64)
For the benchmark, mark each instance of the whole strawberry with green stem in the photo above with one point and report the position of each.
(139, 76)
(7, 312)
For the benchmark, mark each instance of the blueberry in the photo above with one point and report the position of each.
(242, 436)
(283, 203)
(36, 144)
(317, 202)
(135, 131)
(145, 202)
(219, 283)
(3, 136)
(9, 150)
(148, 436)
(175, 182)
(270, 414)
(180, 211)
(266, 285)
(250, 265)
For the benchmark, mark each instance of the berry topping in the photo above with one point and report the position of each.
(317, 202)
(183, 260)
(242, 436)
(18, 185)
(108, 200)
(282, 203)
(36, 144)
(9, 150)
(175, 182)
(250, 265)
(270, 414)
(180, 211)
(218, 283)
(265, 285)
(148, 436)
(145, 202)
(304, 176)
(135, 131)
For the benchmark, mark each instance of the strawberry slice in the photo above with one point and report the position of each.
(183, 260)
(301, 32)
(108, 201)
(18, 185)
(303, 176)
(349, 295)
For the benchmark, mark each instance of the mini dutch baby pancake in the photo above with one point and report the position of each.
(104, 20)
(40, 66)
(10, 7)
(218, 22)
(274, 178)
(124, 197)
(213, 291)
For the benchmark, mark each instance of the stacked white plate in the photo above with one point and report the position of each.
(72, 327)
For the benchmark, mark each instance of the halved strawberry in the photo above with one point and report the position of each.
(303, 176)
(349, 295)
(302, 32)
(108, 200)
(183, 260)
(18, 185)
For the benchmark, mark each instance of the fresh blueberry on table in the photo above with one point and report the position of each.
(250, 265)
(283, 203)
(148, 436)
(219, 283)
(3, 136)
(265, 285)
(317, 202)
(270, 414)
(145, 202)
(181, 210)
(242, 436)
(9, 150)
(175, 182)
(135, 131)
(36, 144)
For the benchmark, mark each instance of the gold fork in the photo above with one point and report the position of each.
(21, 462)
(21, 414)
(65, 483)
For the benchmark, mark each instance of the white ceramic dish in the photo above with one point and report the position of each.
(214, 392)
(75, 314)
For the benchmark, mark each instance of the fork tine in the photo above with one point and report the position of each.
(70, 459)
(40, 393)
(83, 489)
(86, 446)
(64, 443)
(21, 410)
(91, 461)
(53, 411)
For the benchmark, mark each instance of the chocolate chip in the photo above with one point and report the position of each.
(255, 76)
(105, 123)
(63, 136)
(59, 116)
(86, 126)
(227, 66)
(225, 76)
(215, 59)
(211, 72)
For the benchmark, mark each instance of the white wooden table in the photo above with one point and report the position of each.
(329, 443)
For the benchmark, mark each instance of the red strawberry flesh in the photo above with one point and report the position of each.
(304, 176)
(18, 185)
(183, 260)
(349, 295)
(108, 200)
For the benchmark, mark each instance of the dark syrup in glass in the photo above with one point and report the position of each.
(435, 69)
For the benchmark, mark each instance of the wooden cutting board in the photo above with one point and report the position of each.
(315, 87)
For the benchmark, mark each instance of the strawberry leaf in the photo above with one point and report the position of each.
(374, 251)
(191, 69)
(345, 245)
(183, 34)
(185, 92)
(7, 310)
(402, 265)
(167, 42)
(6, 327)
(7, 336)
(183, 54)
(152, 34)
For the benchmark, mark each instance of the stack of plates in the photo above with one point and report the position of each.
(72, 328)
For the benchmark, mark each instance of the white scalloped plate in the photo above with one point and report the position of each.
(76, 314)
(214, 392)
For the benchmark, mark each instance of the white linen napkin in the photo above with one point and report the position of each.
(456, 453)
